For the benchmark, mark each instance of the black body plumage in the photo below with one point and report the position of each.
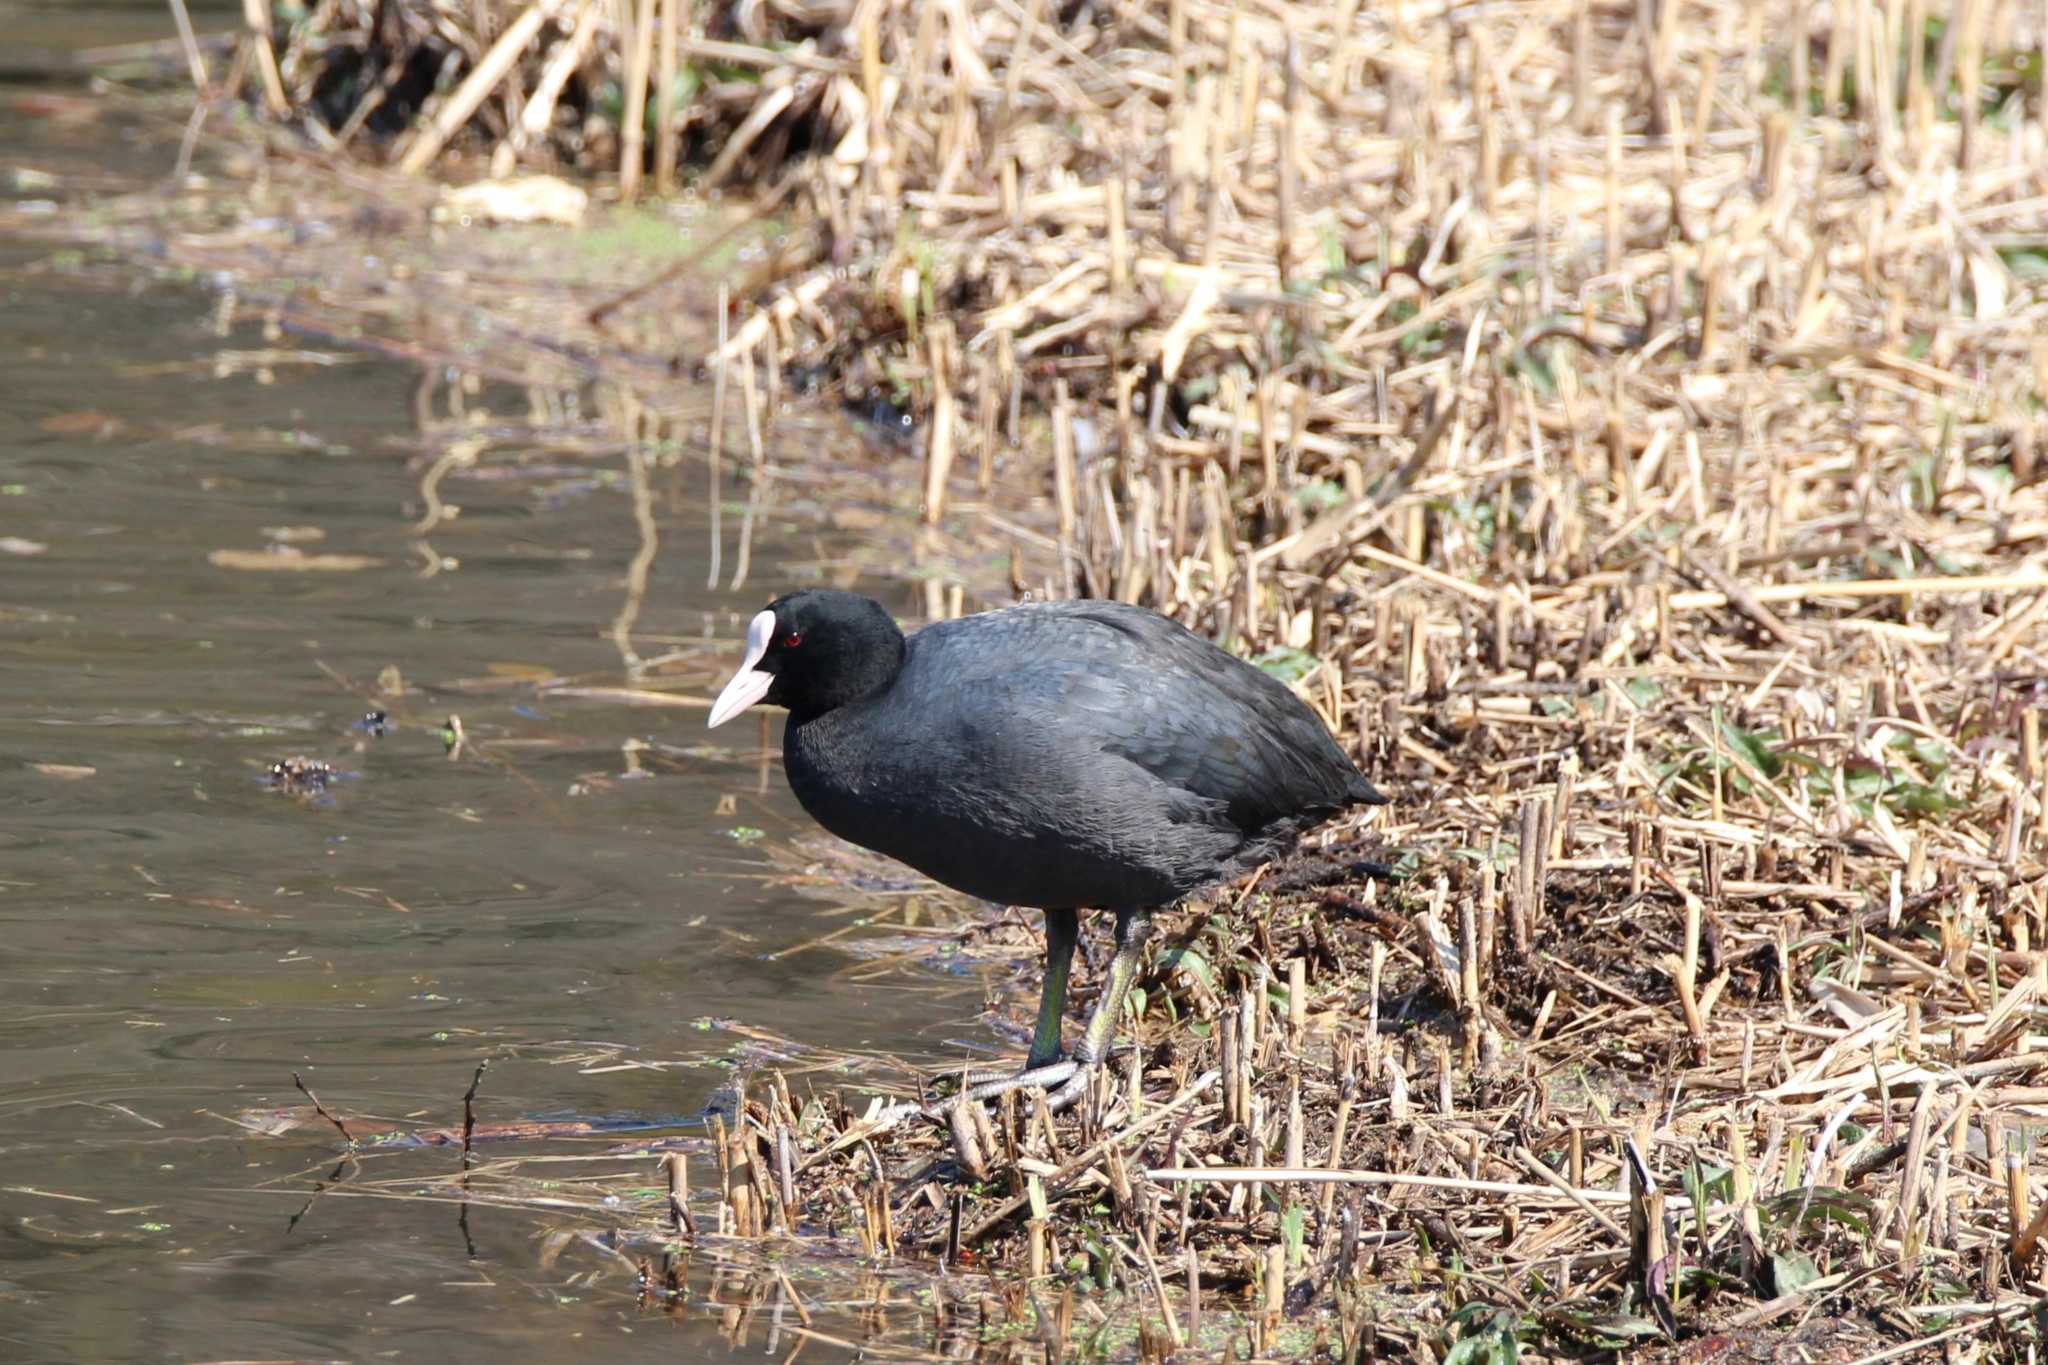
(1060, 755)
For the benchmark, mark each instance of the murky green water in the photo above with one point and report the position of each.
(179, 938)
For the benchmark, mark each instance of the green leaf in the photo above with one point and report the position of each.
(1479, 515)
(1333, 252)
(1704, 1183)
(1474, 1350)
(1535, 367)
(689, 80)
(1614, 1332)
(1320, 495)
(2027, 262)
(1755, 747)
(1643, 691)
(1917, 798)
(1191, 962)
(1485, 1348)
(1792, 1271)
(1822, 1204)
(1861, 778)
(1699, 1279)
(1286, 663)
(1487, 1335)
(1922, 750)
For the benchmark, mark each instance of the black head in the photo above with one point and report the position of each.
(812, 652)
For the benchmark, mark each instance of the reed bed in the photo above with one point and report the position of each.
(1624, 422)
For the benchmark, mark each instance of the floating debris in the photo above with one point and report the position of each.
(281, 558)
(300, 776)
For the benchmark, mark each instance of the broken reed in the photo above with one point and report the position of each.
(1445, 1165)
(1735, 242)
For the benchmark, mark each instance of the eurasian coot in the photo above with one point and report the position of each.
(1059, 755)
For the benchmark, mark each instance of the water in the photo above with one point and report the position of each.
(180, 938)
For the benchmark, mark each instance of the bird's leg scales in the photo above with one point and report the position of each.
(1133, 927)
(1062, 931)
(1060, 1080)
(1064, 1081)
(991, 1075)
(1030, 1078)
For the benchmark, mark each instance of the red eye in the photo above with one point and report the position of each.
(793, 639)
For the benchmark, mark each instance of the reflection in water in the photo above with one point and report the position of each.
(759, 1311)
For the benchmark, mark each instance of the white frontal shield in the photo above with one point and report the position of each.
(750, 684)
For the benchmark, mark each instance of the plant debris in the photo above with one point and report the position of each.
(300, 776)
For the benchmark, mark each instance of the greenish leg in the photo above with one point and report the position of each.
(1063, 1081)
(1133, 927)
(1062, 930)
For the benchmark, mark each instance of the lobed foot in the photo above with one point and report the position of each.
(1063, 1082)
(1056, 1079)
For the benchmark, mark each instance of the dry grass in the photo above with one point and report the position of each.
(1626, 425)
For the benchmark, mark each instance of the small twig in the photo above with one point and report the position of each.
(1089, 1156)
(469, 1109)
(321, 1110)
(679, 1194)
(1535, 1167)
(1742, 597)
(195, 60)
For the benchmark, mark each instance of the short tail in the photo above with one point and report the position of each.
(1364, 793)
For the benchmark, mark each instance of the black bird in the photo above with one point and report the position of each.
(1065, 756)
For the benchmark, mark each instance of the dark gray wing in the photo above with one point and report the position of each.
(1131, 683)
